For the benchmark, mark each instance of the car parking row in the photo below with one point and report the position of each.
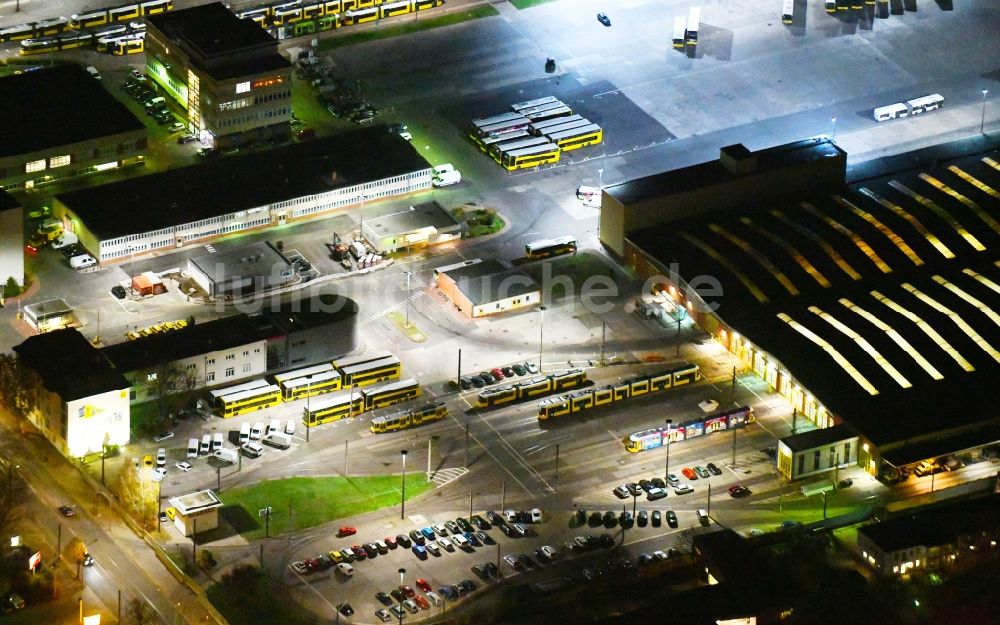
(656, 488)
(480, 380)
(155, 105)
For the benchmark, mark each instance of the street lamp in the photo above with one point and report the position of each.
(402, 572)
(666, 471)
(600, 177)
(833, 121)
(408, 274)
(982, 119)
(541, 331)
(402, 497)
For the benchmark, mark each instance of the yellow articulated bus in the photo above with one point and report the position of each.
(250, 400)
(310, 385)
(333, 408)
(389, 394)
(577, 137)
(530, 157)
(364, 374)
(409, 418)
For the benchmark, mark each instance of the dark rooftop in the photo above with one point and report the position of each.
(423, 215)
(936, 526)
(219, 42)
(32, 119)
(313, 312)
(818, 437)
(878, 299)
(257, 262)
(7, 202)
(241, 182)
(229, 332)
(713, 172)
(156, 349)
(69, 365)
(490, 281)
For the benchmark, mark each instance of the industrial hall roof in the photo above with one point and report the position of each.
(242, 182)
(881, 299)
(57, 106)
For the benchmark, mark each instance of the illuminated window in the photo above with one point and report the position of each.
(34, 166)
(59, 161)
(150, 377)
(243, 87)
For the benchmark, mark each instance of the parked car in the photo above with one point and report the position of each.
(634, 489)
(671, 518)
(658, 482)
(643, 518)
(689, 473)
(383, 615)
(184, 466)
(67, 511)
(480, 522)
(621, 492)
(420, 601)
(656, 519)
(403, 541)
(714, 469)
(433, 597)
(347, 531)
(531, 367)
(672, 479)
(299, 567)
(738, 490)
(683, 489)
(422, 584)
(519, 369)
(656, 493)
(508, 372)
(162, 436)
(702, 472)
(497, 373)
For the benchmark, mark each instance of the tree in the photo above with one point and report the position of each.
(163, 382)
(206, 559)
(17, 383)
(74, 550)
(241, 577)
(139, 612)
(10, 497)
(135, 495)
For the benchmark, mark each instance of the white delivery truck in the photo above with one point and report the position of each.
(82, 261)
(275, 426)
(217, 441)
(192, 448)
(447, 178)
(229, 455)
(206, 444)
(252, 449)
(279, 440)
(244, 433)
(290, 427)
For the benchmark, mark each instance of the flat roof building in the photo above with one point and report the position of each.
(58, 122)
(80, 402)
(870, 304)
(241, 271)
(196, 512)
(192, 205)
(427, 223)
(486, 287)
(224, 71)
(48, 315)
(11, 241)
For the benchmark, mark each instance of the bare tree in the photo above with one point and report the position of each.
(139, 612)
(17, 385)
(10, 497)
(132, 492)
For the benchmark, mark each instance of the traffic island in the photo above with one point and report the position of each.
(411, 331)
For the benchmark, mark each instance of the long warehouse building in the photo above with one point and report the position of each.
(194, 205)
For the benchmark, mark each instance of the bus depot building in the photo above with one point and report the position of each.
(241, 271)
(80, 401)
(414, 227)
(239, 347)
(57, 123)
(224, 72)
(871, 304)
(486, 287)
(170, 210)
(11, 240)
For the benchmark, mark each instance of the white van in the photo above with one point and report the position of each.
(256, 431)
(229, 455)
(252, 449)
(206, 444)
(447, 178)
(65, 240)
(82, 261)
(217, 441)
(442, 169)
(279, 440)
(93, 72)
(275, 426)
(192, 448)
(244, 433)
(290, 427)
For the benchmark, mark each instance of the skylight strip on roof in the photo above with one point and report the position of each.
(940, 212)
(971, 299)
(919, 227)
(886, 231)
(823, 245)
(844, 230)
(975, 208)
(927, 329)
(982, 186)
(829, 349)
(991, 285)
(764, 261)
(955, 318)
(790, 249)
(863, 343)
(896, 338)
(722, 260)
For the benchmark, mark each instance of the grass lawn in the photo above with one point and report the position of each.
(527, 4)
(406, 28)
(300, 502)
(142, 418)
(481, 229)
